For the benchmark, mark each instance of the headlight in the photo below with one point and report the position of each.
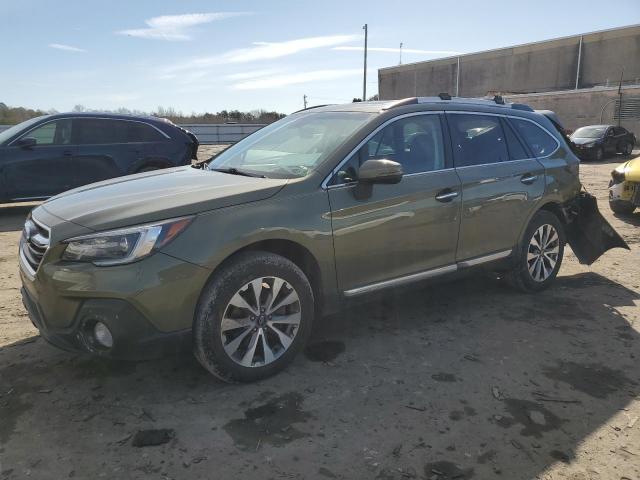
(618, 177)
(125, 245)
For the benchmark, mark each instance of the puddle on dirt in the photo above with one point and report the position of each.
(534, 418)
(444, 377)
(11, 408)
(444, 470)
(272, 423)
(324, 351)
(593, 379)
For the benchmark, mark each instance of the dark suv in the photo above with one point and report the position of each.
(239, 256)
(48, 155)
(595, 142)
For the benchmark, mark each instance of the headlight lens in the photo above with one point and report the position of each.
(125, 245)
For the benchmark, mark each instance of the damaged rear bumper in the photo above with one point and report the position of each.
(588, 233)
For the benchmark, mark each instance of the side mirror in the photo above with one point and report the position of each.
(27, 142)
(380, 171)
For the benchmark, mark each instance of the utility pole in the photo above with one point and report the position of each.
(400, 63)
(364, 82)
(304, 99)
(620, 95)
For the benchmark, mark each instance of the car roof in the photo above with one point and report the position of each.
(441, 102)
(114, 116)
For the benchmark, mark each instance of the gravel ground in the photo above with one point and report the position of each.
(461, 380)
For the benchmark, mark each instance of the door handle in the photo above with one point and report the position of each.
(67, 153)
(446, 195)
(528, 179)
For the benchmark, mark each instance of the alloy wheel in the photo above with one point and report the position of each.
(543, 251)
(260, 322)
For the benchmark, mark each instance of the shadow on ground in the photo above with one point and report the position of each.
(463, 380)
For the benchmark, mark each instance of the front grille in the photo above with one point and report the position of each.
(33, 245)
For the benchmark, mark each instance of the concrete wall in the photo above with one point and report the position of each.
(577, 108)
(537, 67)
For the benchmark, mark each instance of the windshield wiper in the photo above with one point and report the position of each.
(235, 171)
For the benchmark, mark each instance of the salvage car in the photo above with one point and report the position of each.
(47, 155)
(624, 187)
(237, 258)
(596, 142)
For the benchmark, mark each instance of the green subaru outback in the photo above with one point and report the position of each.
(237, 257)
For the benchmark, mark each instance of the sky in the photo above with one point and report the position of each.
(210, 55)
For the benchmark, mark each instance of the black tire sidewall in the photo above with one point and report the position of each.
(239, 271)
(599, 154)
(524, 280)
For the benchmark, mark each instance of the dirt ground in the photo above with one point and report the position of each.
(466, 380)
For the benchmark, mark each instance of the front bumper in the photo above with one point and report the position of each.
(626, 192)
(148, 306)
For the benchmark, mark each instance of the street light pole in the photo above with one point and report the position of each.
(364, 82)
(400, 54)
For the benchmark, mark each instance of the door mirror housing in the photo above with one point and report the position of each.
(381, 171)
(27, 142)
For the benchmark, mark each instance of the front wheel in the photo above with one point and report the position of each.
(539, 255)
(599, 154)
(253, 317)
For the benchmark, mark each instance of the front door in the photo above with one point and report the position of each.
(402, 229)
(501, 184)
(41, 170)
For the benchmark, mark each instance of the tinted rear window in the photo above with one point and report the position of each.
(540, 142)
(477, 139)
(99, 131)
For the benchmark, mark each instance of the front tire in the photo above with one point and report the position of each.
(253, 317)
(539, 255)
(599, 154)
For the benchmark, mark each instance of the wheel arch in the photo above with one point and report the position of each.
(292, 251)
(150, 162)
(549, 206)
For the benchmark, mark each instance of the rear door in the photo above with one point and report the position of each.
(101, 149)
(501, 184)
(402, 229)
(43, 170)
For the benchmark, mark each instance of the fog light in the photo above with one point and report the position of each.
(102, 335)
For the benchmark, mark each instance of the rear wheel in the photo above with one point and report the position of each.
(253, 317)
(627, 149)
(539, 255)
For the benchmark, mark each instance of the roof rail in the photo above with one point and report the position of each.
(444, 96)
(315, 106)
(400, 103)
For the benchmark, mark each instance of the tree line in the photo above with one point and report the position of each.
(14, 115)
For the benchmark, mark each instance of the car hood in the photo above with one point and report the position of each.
(630, 169)
(583, 140)
(157, 195)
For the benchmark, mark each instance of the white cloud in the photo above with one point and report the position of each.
(175, 27)
(251, 74)
(276, 81)
(263, 51)
(397, 50)
(66, 48)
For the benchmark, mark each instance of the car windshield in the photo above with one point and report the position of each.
(291, 147)
(10, 132)
(589, 132)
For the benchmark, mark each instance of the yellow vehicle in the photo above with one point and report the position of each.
(624, 187)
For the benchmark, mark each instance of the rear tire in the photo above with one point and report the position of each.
(539, 256)
(243, 337)
(627, 149)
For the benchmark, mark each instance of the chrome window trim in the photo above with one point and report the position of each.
(417, 174)
(459, 112)
(86, 118)
(369, 137)
(325, 182)
(434, 272)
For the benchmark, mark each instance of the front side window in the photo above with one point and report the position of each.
(477, 139)
(291, 147)
(540, 142)
(414, 142)
(52, 133)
